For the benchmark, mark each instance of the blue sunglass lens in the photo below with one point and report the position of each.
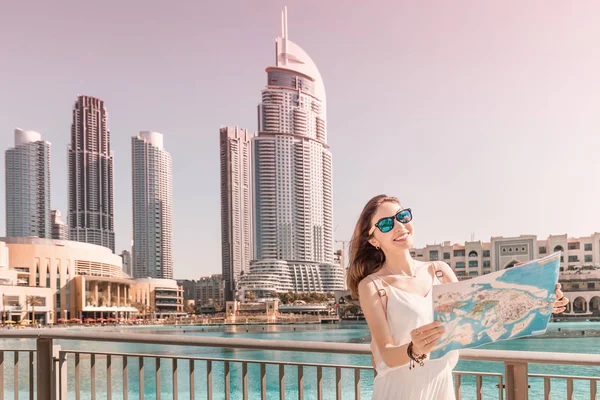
(404, 216)
(385, 225)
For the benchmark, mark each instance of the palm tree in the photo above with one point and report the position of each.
(114, 301)
(33, 301)
(90, 300)
(190, 308)
(103, 300)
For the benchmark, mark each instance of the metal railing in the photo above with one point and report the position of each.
(57, 374)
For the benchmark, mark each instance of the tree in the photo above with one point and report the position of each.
(114, 301)
(33, 301)
(103, 300)
(90, 300)
(190, 308)
(250, 296)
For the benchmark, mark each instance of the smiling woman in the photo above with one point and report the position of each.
(395, 293)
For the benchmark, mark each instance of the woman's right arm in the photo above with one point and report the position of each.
(393, 354)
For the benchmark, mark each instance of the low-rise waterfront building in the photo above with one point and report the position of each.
(478, 258)
(65, 279)
(269, 277)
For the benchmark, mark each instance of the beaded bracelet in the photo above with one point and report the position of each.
(413, 358)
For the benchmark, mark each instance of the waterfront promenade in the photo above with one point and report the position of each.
(75, 364)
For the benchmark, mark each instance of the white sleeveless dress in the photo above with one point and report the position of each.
(405, 312)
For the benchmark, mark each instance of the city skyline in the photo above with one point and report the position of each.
(495, 142)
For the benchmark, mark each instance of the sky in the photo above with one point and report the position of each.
(483, 117)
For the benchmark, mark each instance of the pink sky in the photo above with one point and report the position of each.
(480, 115)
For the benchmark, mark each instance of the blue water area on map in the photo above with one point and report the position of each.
(527, 304)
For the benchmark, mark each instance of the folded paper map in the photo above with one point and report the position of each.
(502, 305)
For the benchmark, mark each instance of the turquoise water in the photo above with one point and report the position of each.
(321, 333)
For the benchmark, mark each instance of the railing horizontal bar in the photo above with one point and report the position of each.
(233, 360)
(472, 373)
(290, 345)
(575, 377)
(19, 350)
(530, 357)
(202, 341)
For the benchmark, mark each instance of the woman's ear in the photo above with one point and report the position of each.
(374, 243)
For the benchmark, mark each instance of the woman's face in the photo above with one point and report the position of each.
(401, 235)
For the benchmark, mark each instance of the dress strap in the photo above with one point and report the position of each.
(438, 272)
(380, 291)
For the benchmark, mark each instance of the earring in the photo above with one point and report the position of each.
(376, 247)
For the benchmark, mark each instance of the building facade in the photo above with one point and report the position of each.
(152, 207)
(161, 297)
(77, 280)
(236, 206)
(293, 172)
(91, 207)
(127, 264)
(60, 230)
(477, 258)
(211, 291)
(28, 186)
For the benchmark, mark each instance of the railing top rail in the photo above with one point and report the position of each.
(290, 345)
(183, 340)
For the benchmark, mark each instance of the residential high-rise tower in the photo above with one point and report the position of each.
(236, 205)
(91, 209)
(28, 186)
(60, 230)
(152, 207)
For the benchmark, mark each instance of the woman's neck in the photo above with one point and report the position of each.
(399, 263)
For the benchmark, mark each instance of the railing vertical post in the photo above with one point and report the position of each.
(62, 366)
(45, 370)
(517, 385)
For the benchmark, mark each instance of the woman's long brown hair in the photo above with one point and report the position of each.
(364, 258)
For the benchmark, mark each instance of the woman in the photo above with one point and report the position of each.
(395, 296)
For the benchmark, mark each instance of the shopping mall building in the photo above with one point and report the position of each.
(66, 280)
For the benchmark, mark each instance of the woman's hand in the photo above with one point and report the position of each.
(425, 337)
(561, 301)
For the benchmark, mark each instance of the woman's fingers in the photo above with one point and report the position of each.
(423, 329)
(425, 344)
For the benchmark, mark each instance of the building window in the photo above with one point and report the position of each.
(433, 255)
(573, 246)
(486, 263)
(446, 256)
(587, 247)
(575, 286)
(573, 259)
(542, 250)
(459, 253)
(460, 264)
(473, 264)
(486, 253)
(591, 285)
(588, 258)
(473, 253)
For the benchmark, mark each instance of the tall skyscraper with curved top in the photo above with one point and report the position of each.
(292, 178)
(91, 209)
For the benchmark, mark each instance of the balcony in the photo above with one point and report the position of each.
(61, 373)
